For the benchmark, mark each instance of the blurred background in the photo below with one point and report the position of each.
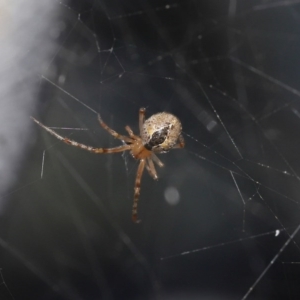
(222, 221)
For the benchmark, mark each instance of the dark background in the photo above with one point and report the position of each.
(230, 71)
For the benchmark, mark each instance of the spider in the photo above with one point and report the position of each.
(158, 134)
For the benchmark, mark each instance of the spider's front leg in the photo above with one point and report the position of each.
(131, 134)
(114, 133)
(83, 146)
(137, 189)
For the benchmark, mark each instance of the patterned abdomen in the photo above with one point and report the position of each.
(160, 132)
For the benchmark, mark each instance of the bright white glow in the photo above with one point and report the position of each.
(172, 195)
(25, 47)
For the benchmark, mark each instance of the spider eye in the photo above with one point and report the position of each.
(157, 138)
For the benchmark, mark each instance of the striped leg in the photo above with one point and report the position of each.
(137, 189)
(82, 146)
(141, 118)
(114, 133)
(131, 134)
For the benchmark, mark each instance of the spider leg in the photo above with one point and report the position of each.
(137, 189)
(180, 143)
(114, 133)
(82, 146)
(157, 160)
(151, 169)
(131, 134)
(141, 118)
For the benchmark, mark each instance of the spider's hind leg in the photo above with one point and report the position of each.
(157, 160)
(141, 119)
(151, 168)
(180, 143)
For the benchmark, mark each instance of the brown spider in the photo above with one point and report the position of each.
(158, 134)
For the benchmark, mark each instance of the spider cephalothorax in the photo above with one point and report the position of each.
(158, 134)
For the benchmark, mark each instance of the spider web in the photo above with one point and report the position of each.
(222, 221)
(5, 293)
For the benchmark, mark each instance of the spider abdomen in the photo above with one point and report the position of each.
(161, 132)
